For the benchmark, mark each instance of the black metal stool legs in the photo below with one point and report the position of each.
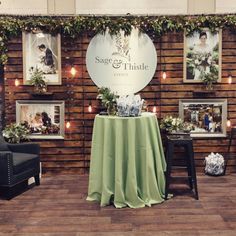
(193, 170)
(186, 143)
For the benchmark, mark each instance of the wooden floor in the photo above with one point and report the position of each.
(58, 208)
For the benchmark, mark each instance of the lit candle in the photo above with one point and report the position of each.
(228, 123)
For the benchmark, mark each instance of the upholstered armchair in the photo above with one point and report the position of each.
(18, 162)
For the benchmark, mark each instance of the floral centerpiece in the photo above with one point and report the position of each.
(15, 133)
(108, 99)
(172, 124)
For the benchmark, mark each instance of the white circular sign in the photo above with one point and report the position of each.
(125, 64)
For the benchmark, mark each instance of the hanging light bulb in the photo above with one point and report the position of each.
(228, 123)
(164, 75)
(90, 108)
(73, 71)
(154, 109)
(230, 79)
(68, 124)
(17, 82)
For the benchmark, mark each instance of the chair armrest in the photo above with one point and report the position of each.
(6, 167)
(32, 148)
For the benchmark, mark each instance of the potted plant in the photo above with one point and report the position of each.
(38, 80)
(15, 133)
(108, 99)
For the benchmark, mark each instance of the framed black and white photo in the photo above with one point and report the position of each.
(45, 119)
(208, 117)
(43, 52)
(202, 56)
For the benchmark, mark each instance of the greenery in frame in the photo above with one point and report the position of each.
(73, 26)
(37, 79)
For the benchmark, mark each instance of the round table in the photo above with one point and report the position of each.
(127, 161)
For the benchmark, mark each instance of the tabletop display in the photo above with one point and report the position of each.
(127, 161)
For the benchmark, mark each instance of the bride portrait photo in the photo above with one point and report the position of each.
(202, 56)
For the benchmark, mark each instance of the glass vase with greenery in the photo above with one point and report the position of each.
(108, 99)
(15, 133)
(37, 79)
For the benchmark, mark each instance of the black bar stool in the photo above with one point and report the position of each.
(230, 155)
(186, 142)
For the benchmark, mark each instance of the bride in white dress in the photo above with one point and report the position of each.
(202, 50)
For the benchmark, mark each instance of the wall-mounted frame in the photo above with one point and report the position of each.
(42, 51)
(208, 116)
(202, 55)
(45, 119)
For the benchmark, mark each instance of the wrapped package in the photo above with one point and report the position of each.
(130, 105)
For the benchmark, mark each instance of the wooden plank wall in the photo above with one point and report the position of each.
(72, 155)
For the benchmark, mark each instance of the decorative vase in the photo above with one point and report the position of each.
(209, 86)
(111, 110)
(42, 88)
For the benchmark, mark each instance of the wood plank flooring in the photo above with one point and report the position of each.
(58, 208)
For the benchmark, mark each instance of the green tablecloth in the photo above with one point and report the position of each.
(127, 161)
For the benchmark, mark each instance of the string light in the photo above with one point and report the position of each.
(164, 75)
(17, 82)
(154, 109)
(73, 71)
(90, 107)
(228, 123)
(230, 79)
(68, 124)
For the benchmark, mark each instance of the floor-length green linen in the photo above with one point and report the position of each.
(127, 161)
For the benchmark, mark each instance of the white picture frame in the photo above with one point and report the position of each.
(45, 119)
(207, 116)
(42, 51)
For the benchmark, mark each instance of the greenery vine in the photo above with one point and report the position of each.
(73, 26)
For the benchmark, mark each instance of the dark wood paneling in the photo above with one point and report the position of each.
(74, 152)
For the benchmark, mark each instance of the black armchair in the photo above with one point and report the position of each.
(18, 162)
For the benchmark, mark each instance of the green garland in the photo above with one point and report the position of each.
(154, 26)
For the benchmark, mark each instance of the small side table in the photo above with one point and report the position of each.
(187, 143)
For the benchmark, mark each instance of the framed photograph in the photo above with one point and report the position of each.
(45, 119)
(202, 56)
(43, 52)
(208, 117)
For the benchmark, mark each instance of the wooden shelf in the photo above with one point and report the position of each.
(42, 95)
(203, 93)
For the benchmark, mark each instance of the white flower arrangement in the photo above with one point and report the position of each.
(174, 124)
(206, 63)
(214, 164)
(171, 124)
